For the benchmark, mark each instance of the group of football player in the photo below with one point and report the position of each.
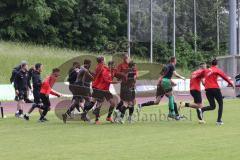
(91, 89)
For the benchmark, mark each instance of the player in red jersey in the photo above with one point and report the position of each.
(46, 90)
(101, 91)
(213, 90)
(128, 72)
(195, 90)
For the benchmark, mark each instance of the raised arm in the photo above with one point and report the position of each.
(178, 75)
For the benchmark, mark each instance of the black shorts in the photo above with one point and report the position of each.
(21, 96)
(101, 95)
(127, 93)
(46, 101)
(74, 90)
(80, 90)
(197, 96)
(161, 91)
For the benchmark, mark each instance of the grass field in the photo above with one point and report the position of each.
(161, 140)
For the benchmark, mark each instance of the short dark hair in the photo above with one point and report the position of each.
(23, 65)
(87, 62)
(38, 65)
(172, 59)
(110, 63)
(100, 59)
(75, 64)
(214, 62)
(131, 64)
(55, 70)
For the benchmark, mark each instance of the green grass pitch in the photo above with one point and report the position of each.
(160, 140)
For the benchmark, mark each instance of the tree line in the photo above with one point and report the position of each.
(101, 25)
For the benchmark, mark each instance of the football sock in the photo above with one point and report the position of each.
(131, 110)
(120, 104)
(123, 111)
(110, 111)
(176, 109)
(97, 113)
(171, 103)
(88, 106)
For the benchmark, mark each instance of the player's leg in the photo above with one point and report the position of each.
(131, 111)
(36, 104)
(219, 98)
(20, 102)
(211, 99)
(97, 110)
(123, 111)
(119, 105)
(75, 102)
(159, 95)
(111, 109)
(46, 107)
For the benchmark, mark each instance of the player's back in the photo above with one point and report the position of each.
(196, 78)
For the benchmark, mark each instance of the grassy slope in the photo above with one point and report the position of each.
(163, 140)
(11, 54)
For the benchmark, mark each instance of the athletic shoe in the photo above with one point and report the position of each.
(97, 122)
(177, 118)
(110, 120)
(139, 108)
(121, 121)
(84, 117)
(116, 115)
(200, 114)
(26, 117)
(172, 115)
(17, 115)
(21, 116)
(64, 118)
(41, 121)
(45, 119)
(202, 122)
(219, 123)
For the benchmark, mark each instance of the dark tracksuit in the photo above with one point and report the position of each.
(37, 82)
(22, 83)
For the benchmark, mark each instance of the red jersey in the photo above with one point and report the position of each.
(105, 80)
(46, 87)
(123, 70)
(195, 79)
(211, 77)
(98, 74)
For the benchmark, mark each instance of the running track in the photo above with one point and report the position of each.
(10, 107)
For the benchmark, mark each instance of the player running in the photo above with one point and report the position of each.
(101, 91)
(213, 90)
(46, 90)
(72, 77)
(37, 82)
(80, 88)
(195, 90)
(21, 85)
(164, 87)
(128, 71)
